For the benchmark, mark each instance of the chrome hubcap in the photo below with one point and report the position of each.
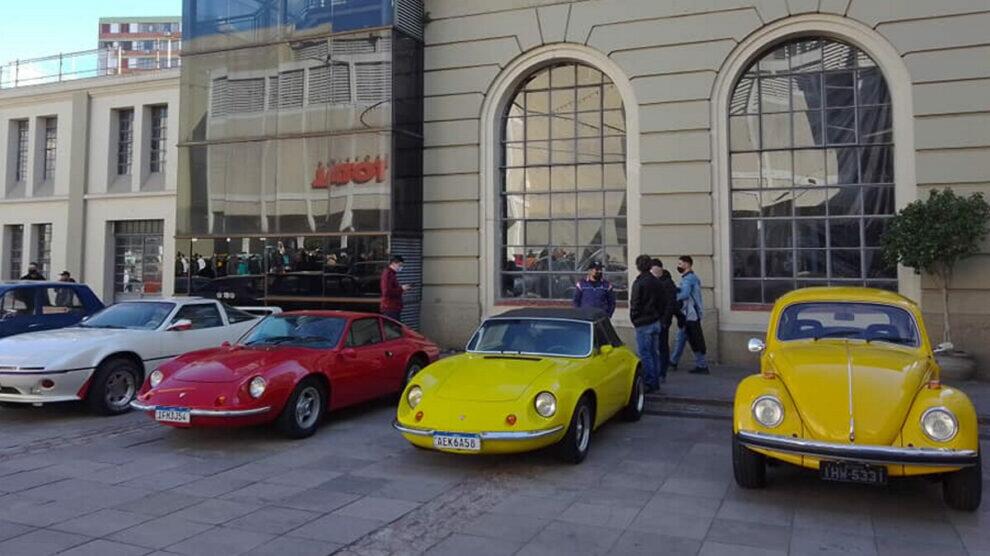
(583, 432)
(640, 394)
(119, 389)
(307, 407)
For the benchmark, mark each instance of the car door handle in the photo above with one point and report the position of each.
(35, 325)
(388, 354)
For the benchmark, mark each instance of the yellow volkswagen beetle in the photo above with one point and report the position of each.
(849, 386)
(530, 378)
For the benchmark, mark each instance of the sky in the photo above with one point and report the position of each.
(34, 28)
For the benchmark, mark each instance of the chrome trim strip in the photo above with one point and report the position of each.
(210, 412)
(493, 435)
(849, 376)
(935, 457)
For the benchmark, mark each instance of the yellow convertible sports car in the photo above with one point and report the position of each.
(849, 386)
(530, 378)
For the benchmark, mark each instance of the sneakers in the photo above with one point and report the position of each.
(699, 371)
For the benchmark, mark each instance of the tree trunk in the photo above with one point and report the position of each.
(946, 331)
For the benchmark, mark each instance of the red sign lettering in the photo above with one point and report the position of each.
(343, 173)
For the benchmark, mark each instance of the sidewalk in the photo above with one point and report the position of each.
(717, 390)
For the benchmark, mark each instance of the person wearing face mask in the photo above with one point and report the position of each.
(595, 291)
(392, 290)
(689, 295)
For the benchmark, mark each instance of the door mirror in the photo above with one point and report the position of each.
(180, 326)
(606, 349)
(944, 347)
(349, 353)
(225, 345)
(756, 345)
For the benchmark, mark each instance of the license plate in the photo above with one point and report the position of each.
(845, 472)
(172, 415)
(465, 442)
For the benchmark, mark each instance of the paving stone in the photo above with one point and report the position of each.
(760, 535)
(927, 531)
(215, 485)
(273, 520)
(664, 503)
(413, 491)
(160, 503)
(101, 523)
(605, 516)
(822, 542)
(532, 506)
(382, 509)
(9, 529)
(571, 538)
(220, 540)
(712, 488)
(307, 478)
(615, 497)
(26, 480)
(42, 514)
(339, 529)
(459, 545)
(101, 547)
(216, 511)
(636, 543)
(764, 513)
(262, 493)
(41, 542)
(672, 524)
(162, 480)
(318, 500)
(807, 516)
(903, 547)
(354, 484)
(712, 548)
(293, 546)
(161, 532)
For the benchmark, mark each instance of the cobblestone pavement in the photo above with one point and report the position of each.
(75, 484)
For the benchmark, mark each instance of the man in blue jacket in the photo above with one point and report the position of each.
(689, 295)
(595, 291)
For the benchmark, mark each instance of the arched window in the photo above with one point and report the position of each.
(562, 183)
(811, 171)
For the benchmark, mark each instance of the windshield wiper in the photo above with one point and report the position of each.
(277, 340)
(837, 334)
(891, 339)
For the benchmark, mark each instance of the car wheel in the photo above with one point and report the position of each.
(749, 467)
(574, 447)
(304, 410)
(114, 386)
(414, 367)
(637, 399)
(963, 490)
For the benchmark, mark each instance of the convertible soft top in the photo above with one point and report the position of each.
(584, 314)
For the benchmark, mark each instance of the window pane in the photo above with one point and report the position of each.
(515, 180)
(840, 126)
(842, 166)
(875, 125)
(615, 204)
(812, 263)
(589, 124)
(872, 87)
(778, 233)
(537, 233)
(744, 133)
(744, 98)
(513, 232)
(746, 234)
(562, 102)
(878, 200)
(776, 61)
(809, 167)
(773, 289)
(807, 91)
(877, 267)
(876, 165)
(745, 204)
(613, 122)
(808, 129)
(846, 263)
(564, 232)
(873, 230)
(537, 207)
(746, 264)
(514, 154)
(839, 89)
(615, 231)
(615, 176)
(562, 127)
(845, 201)
(777, 131)
(589, 150)
(611, 99)
(844, 232)
(537, 179)
(514, 206)
(745, 170)
(563, 76)
(563, 151)
(777, 171)
(562, 178)
(839, 56)
(563, 205)
(778, 202)
(811, 233)
(747, 291)
(589, 99)
(810, 202)
(537, 128)
(589, 176)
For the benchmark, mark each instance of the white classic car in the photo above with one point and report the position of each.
(104, 359)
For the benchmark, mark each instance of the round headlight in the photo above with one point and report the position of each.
(414, 396)
(156, 378)
(768, 411)
(546, 404)
(939, 424)
(257, 387)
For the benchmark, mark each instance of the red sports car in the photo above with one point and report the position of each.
(289, 369)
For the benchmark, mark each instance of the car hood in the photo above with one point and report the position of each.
(40, 349)
(234, 364)
(885, 380)
(489, 378)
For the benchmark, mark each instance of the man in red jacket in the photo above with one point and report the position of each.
(392, 290)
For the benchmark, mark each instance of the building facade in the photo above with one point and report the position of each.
(770, 140)
(139, 43)
(89, 180)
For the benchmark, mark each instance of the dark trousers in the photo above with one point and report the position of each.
(664, 350)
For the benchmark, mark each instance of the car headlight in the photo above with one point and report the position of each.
(257, 387)
(156, 378)
(768, 411)
(546, 404)
(414, 396)
(939, 424)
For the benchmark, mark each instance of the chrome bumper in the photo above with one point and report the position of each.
(892, 455)
(497, 435)
(210, 412)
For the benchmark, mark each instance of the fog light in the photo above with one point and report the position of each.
(510, 419)
(48, 384)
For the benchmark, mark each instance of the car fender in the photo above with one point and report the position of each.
(967, 437)
(752, 388)
(567, 383)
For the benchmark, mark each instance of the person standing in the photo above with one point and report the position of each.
(669, 305)
(595, 291)
(645, 312)
(689, 295)
(392, 290)
(33, 273)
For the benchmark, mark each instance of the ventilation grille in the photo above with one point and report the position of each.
(409, 17)
(273, 93)
(374, 82)
(220, 98)
(311, 50)
(323, 90)
(246, 95)
(290, 89)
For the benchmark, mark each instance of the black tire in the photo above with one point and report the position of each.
(963, 490)
(114, 386)
(576, 444)
(416, 364)
(749, 467)
(637, 399)
(299, 418)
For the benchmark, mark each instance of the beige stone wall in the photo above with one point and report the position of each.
(672, 53)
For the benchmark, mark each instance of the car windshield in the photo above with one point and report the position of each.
(534, 337)
(131, 316)
(862, 321)
(299, 330)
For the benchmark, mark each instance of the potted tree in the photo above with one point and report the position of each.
(931, 236)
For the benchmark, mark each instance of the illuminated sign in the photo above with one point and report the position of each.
(343, 173)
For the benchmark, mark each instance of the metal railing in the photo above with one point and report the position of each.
(85, 64)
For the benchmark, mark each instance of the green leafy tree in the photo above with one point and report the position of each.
(934, 234)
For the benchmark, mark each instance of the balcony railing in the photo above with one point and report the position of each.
(83, 64)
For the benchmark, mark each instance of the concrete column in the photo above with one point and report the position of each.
(76, 132)
(141, 141)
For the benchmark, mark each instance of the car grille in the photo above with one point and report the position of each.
(9, 390)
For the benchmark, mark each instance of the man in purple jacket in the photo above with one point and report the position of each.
(595, 291)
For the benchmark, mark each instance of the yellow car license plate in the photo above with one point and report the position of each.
(450, 441)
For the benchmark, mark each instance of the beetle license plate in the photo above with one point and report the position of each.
(846, 472)
(172, 415)
(450, 441)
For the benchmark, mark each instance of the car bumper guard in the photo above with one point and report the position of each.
(891, 455)
(230, 413)
(492, 435)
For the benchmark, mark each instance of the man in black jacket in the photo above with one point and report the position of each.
(645, 311)
(669, 309)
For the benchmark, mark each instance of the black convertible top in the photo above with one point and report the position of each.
(584, 314)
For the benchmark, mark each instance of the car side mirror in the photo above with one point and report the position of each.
(225, 344)
(180, 326)
(606, 349)
(756, 345)
(944, 347)
(349, 353)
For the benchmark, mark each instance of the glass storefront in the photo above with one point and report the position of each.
(300, 151)
(138, 255)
